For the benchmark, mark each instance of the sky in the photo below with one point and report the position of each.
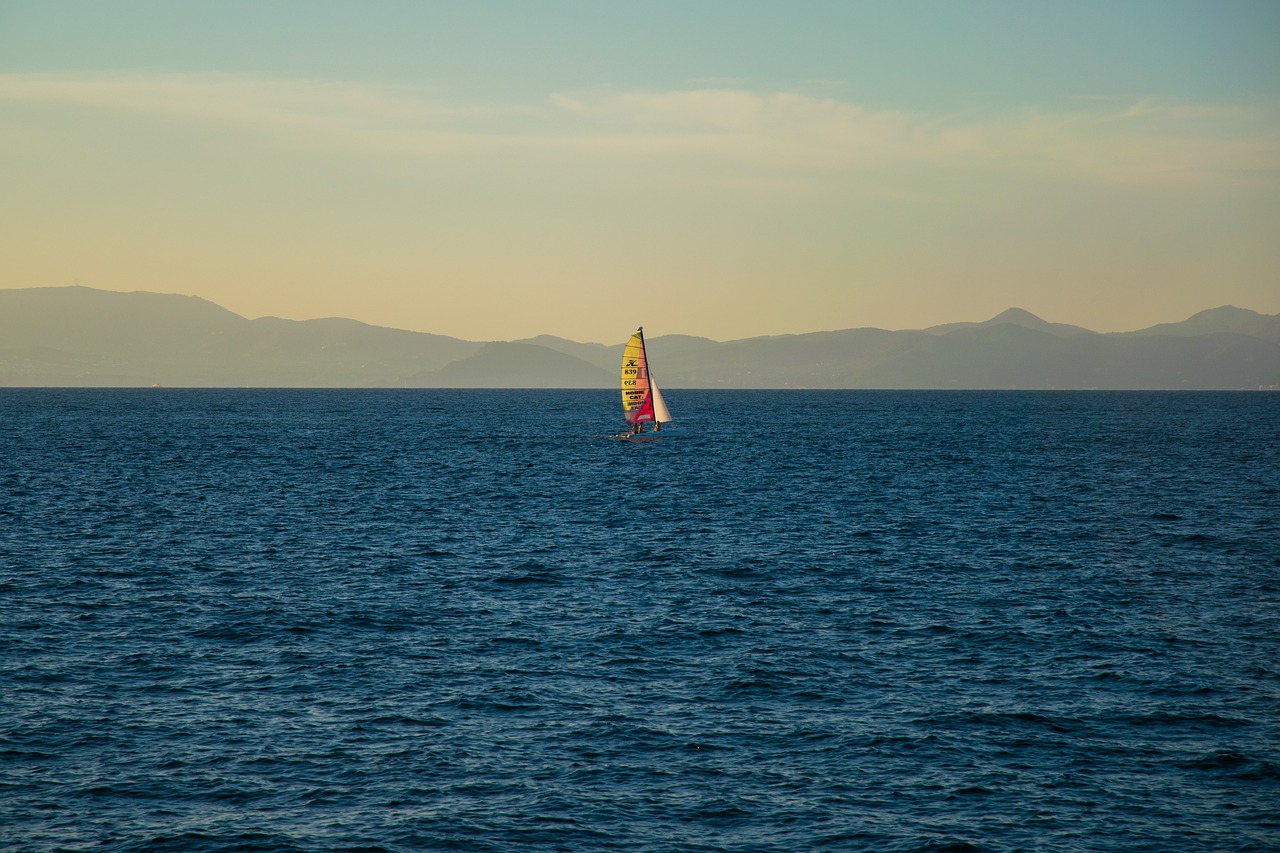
(498, 170)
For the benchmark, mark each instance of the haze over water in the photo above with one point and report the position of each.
(424, 620)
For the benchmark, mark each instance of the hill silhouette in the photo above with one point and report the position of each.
(80, 336)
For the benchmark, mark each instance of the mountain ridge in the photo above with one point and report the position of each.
(1015, 317)
(69, 336)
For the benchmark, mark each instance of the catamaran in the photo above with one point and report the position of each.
(641, 399)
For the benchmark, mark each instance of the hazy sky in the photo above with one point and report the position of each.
(496, 170)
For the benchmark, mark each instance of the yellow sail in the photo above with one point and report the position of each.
(637, 403)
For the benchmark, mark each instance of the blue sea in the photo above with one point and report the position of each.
(305, 620)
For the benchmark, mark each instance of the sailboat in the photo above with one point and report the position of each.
(641, 399)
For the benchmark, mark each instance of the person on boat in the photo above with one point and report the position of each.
(657, 425)
(636, 428)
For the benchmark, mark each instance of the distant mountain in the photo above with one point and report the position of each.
(70, 336)
(1225, 320)
(992, 355)
(83, 336)
(1014, 317)
(1015, 357)
(608, 357)
(516, 365)
(604, 357)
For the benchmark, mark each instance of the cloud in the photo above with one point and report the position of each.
(763, 138)
(224, 96)
(322, 111)
(1143, 143)
(1146, 142)
(774, 130)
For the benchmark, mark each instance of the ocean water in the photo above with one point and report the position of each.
(469, 620)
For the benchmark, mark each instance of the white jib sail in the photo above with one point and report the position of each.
(660, 413)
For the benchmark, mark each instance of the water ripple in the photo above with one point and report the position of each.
(401, 621)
